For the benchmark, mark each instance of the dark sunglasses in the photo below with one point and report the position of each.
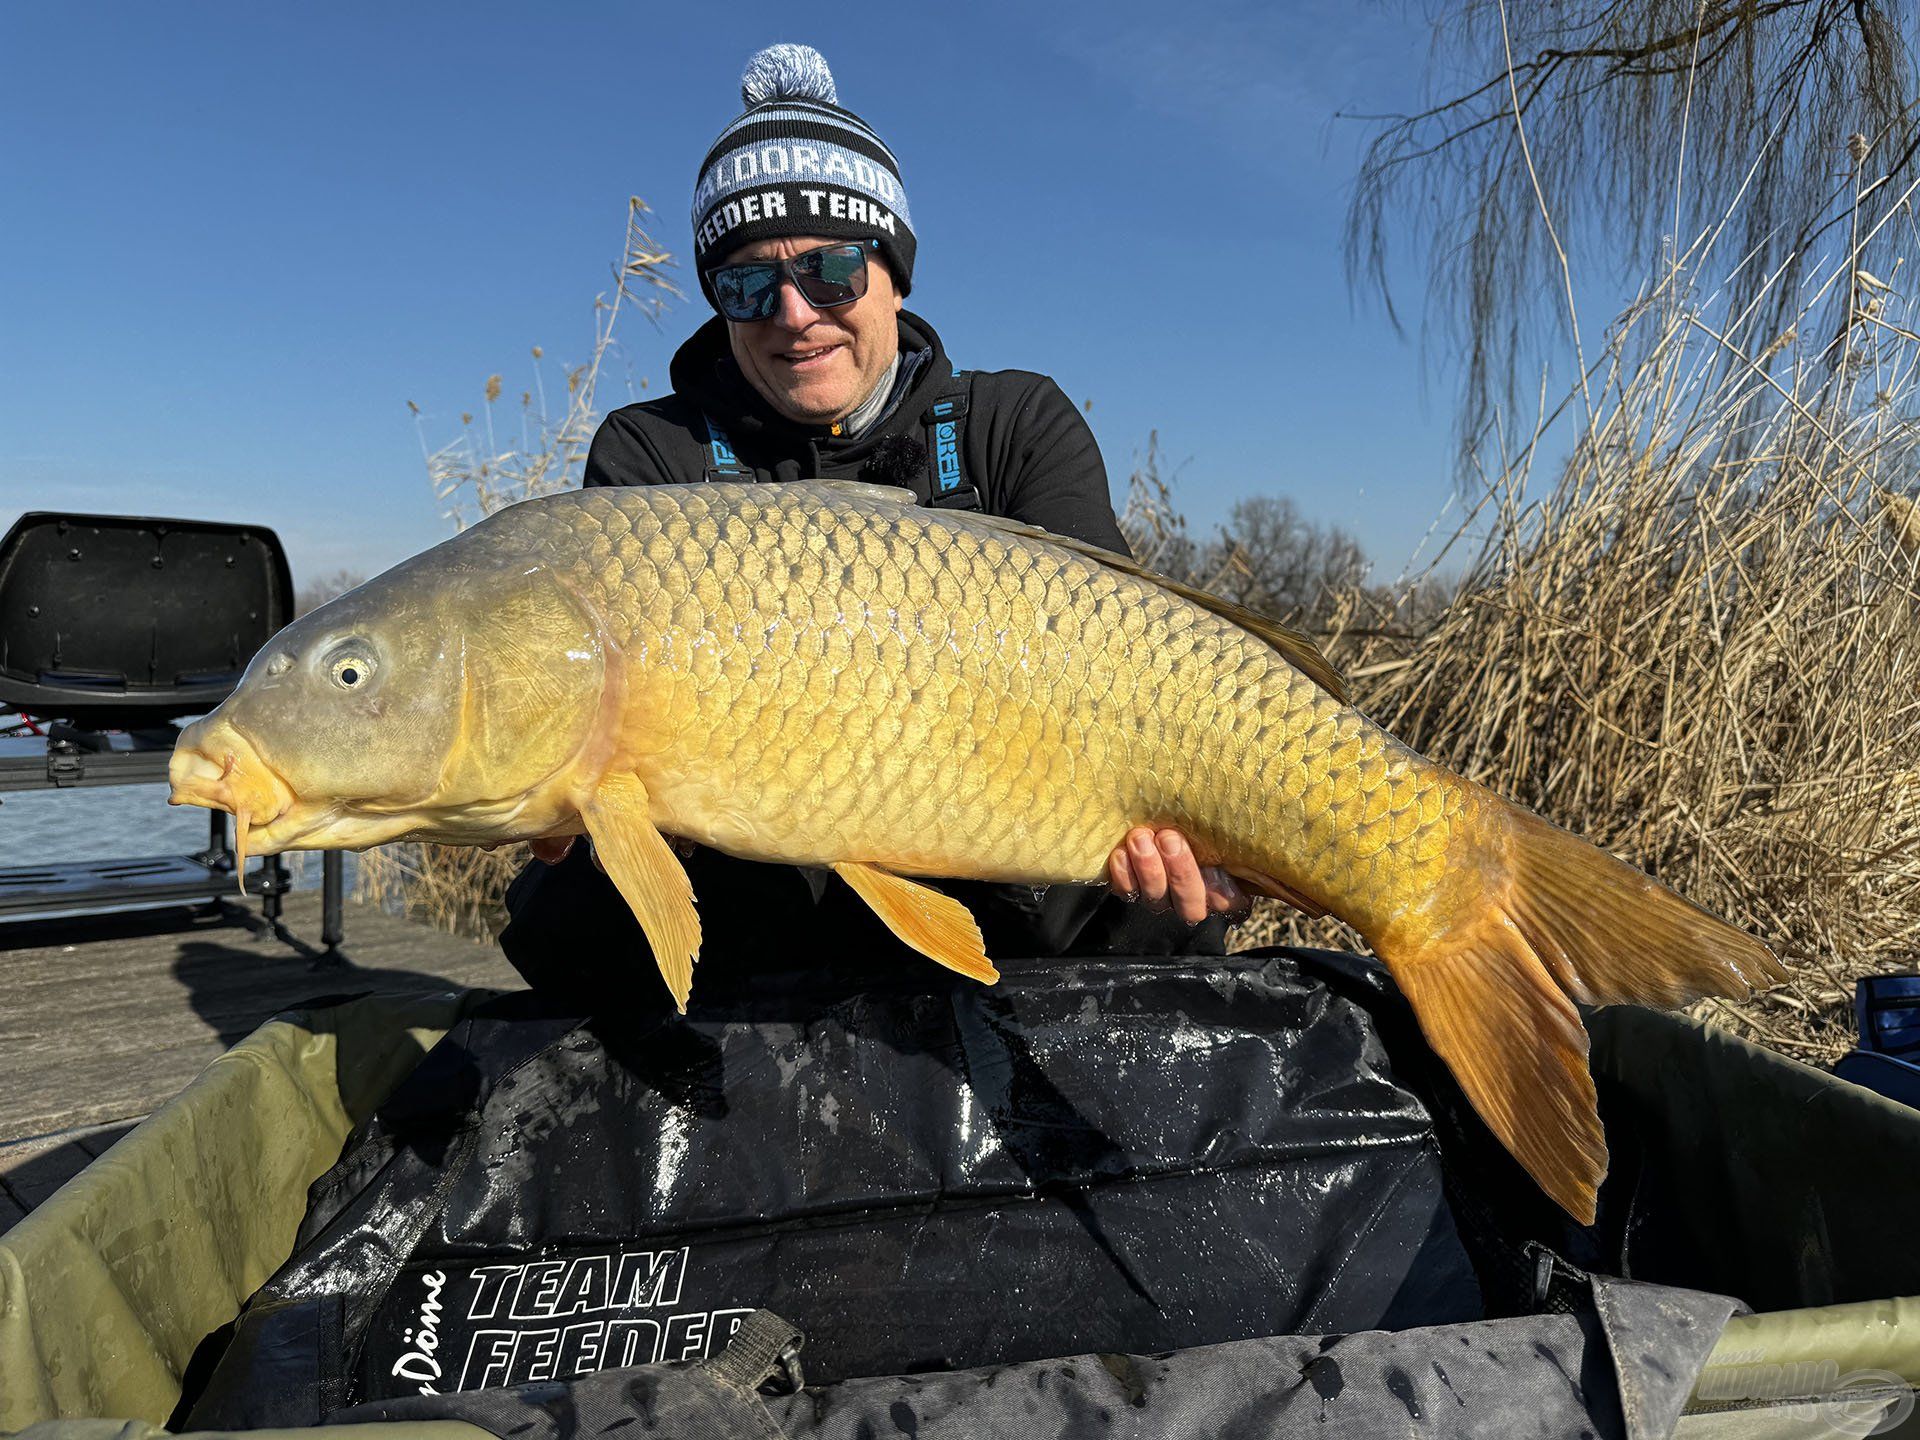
(829, 276)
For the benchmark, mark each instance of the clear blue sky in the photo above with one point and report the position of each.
(238, 238)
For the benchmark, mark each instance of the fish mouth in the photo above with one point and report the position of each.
(218, 768)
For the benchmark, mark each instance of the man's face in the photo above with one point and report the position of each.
(816, 366)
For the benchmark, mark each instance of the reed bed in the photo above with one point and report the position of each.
(453, 888)
(1700, 647)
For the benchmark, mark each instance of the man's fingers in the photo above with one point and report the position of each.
(1224, 895)
(1148, 868)
(1162, 869)
(1184, 881)
(551, 848)
(554, 848)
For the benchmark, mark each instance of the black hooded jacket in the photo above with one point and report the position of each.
(1024, 448)
(1024, 452)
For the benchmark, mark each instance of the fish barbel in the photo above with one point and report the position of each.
(825, 674)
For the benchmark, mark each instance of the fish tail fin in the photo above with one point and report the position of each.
(1515, 1043)
(1611, 934)
(1560, 921)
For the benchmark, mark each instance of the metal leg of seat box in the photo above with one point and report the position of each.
(217, 856)
(332, 869)
(274, 883)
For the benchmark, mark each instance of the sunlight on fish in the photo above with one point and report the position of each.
(711, 662)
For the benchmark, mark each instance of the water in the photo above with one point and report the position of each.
(117, 822)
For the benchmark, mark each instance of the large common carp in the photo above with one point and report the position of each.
(825, 674)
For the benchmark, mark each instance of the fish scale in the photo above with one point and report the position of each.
(828, 675)
(924, 688)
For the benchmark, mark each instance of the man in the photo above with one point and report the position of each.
(813, 369)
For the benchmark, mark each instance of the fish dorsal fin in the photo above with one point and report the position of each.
(1296, 649)
(864, 490)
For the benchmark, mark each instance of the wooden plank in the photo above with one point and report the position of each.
(138, 1021)
(152, 950)
(33, 1172)
(230, 987)
(98, 1141)
(103, 1021)
(108, 1087)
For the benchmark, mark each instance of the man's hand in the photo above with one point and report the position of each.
(1161, 868)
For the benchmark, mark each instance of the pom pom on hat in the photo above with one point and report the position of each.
(787, 72)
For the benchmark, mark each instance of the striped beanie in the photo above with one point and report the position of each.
(796, 163)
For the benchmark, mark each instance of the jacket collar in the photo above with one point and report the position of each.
(704, 372)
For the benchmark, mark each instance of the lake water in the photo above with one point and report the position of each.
(116, 822)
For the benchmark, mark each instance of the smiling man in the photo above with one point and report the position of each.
(813, 369)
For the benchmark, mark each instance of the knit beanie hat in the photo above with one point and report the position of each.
(796, 163)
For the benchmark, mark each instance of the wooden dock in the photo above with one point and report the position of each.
(103, 1019)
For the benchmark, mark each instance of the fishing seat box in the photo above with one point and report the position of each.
(1124, 1196)
(121, 621)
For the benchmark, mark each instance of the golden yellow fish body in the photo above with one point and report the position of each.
(823, 674)
(814, 675)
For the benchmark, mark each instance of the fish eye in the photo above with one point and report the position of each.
(350, 666)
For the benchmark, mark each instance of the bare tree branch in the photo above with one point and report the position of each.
(1766, 92)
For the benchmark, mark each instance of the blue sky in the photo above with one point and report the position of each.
(238, 238)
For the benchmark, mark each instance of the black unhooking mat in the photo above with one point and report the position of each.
(1121, 1155)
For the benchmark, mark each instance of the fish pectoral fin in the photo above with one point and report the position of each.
(648, 875)
(936, 925)
(1264, 884)
(1515, 1043)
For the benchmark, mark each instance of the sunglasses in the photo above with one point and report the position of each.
(829, 276)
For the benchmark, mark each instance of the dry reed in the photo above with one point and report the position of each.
(1701, 649)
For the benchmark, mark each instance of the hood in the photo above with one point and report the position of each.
(705, 373)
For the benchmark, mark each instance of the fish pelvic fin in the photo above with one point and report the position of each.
(1557, 920)
(648, 875)
(936, 925)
